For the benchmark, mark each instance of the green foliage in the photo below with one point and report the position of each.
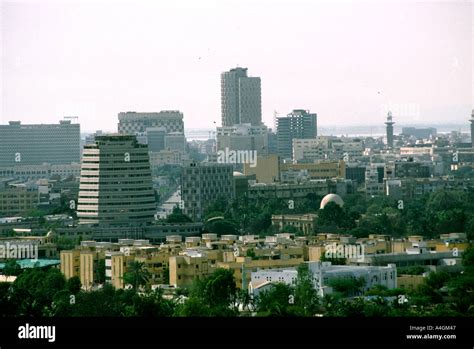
(347, 286)
(100, 271)
(221, 226)
(73, 285)
(137, 274)
(67, 243)
(411, 270)
(12, 268)
(306, 296)
(10, 233)
(275, 301)
(211, 296)
(468, 258)
(250, 253)
(300, 299)
(33, 291)
(177, 216)
(219, 288)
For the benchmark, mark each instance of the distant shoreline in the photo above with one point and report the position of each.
(201, 134)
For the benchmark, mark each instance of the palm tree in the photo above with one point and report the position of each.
(137, 274)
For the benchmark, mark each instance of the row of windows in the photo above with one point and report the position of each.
(118, 176)
(118, 182)
(117, 203)
(107, 190)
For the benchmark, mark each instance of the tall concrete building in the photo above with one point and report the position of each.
(132, 122)
(472, 128)
(299, 124)
(37, 144)
(240, 98)
(204, 182)
(175, 141)
(115, 186)
(156, 138)
(389, 124)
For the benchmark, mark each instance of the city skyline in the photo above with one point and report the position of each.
(413, 57)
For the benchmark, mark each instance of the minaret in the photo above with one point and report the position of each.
(389, 124)
(472, 128)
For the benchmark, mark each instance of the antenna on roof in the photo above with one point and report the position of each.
(73, 119)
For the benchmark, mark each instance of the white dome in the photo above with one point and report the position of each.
(238, 174)
(331, 198)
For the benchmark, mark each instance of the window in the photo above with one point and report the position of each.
(179, 266)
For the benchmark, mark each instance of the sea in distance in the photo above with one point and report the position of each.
(202, 134)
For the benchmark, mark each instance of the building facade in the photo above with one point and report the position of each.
(267, 169)
(132, 122)
(156, 138)
(38, 144)
(115, 185)
(243, 137)
(204, 182)
(299, 124)
(324, 273)
(240, 98)
(17, 200)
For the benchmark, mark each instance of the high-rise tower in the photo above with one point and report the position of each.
(389, 124)
(300, 124)
(115, 187)
(240, 98)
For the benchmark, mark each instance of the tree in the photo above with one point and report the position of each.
(347, 287)
(306, 296)
(221, 226)
(177, 216)
(221, 204)
(101, 271)
(10, 233)
(73, 285)
(218, 289)
(275, 301)
(34, 290)
(67, 242)
(12, 268)
(214, 295)
(469, 228)
(331, 215)
(137, 274)
(468, 258)
(432, 286)
(250, 253)
(152, 304)
(7, 308)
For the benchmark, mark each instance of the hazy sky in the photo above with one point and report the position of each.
(348, 61)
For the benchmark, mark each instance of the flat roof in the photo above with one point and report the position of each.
(32, 263)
